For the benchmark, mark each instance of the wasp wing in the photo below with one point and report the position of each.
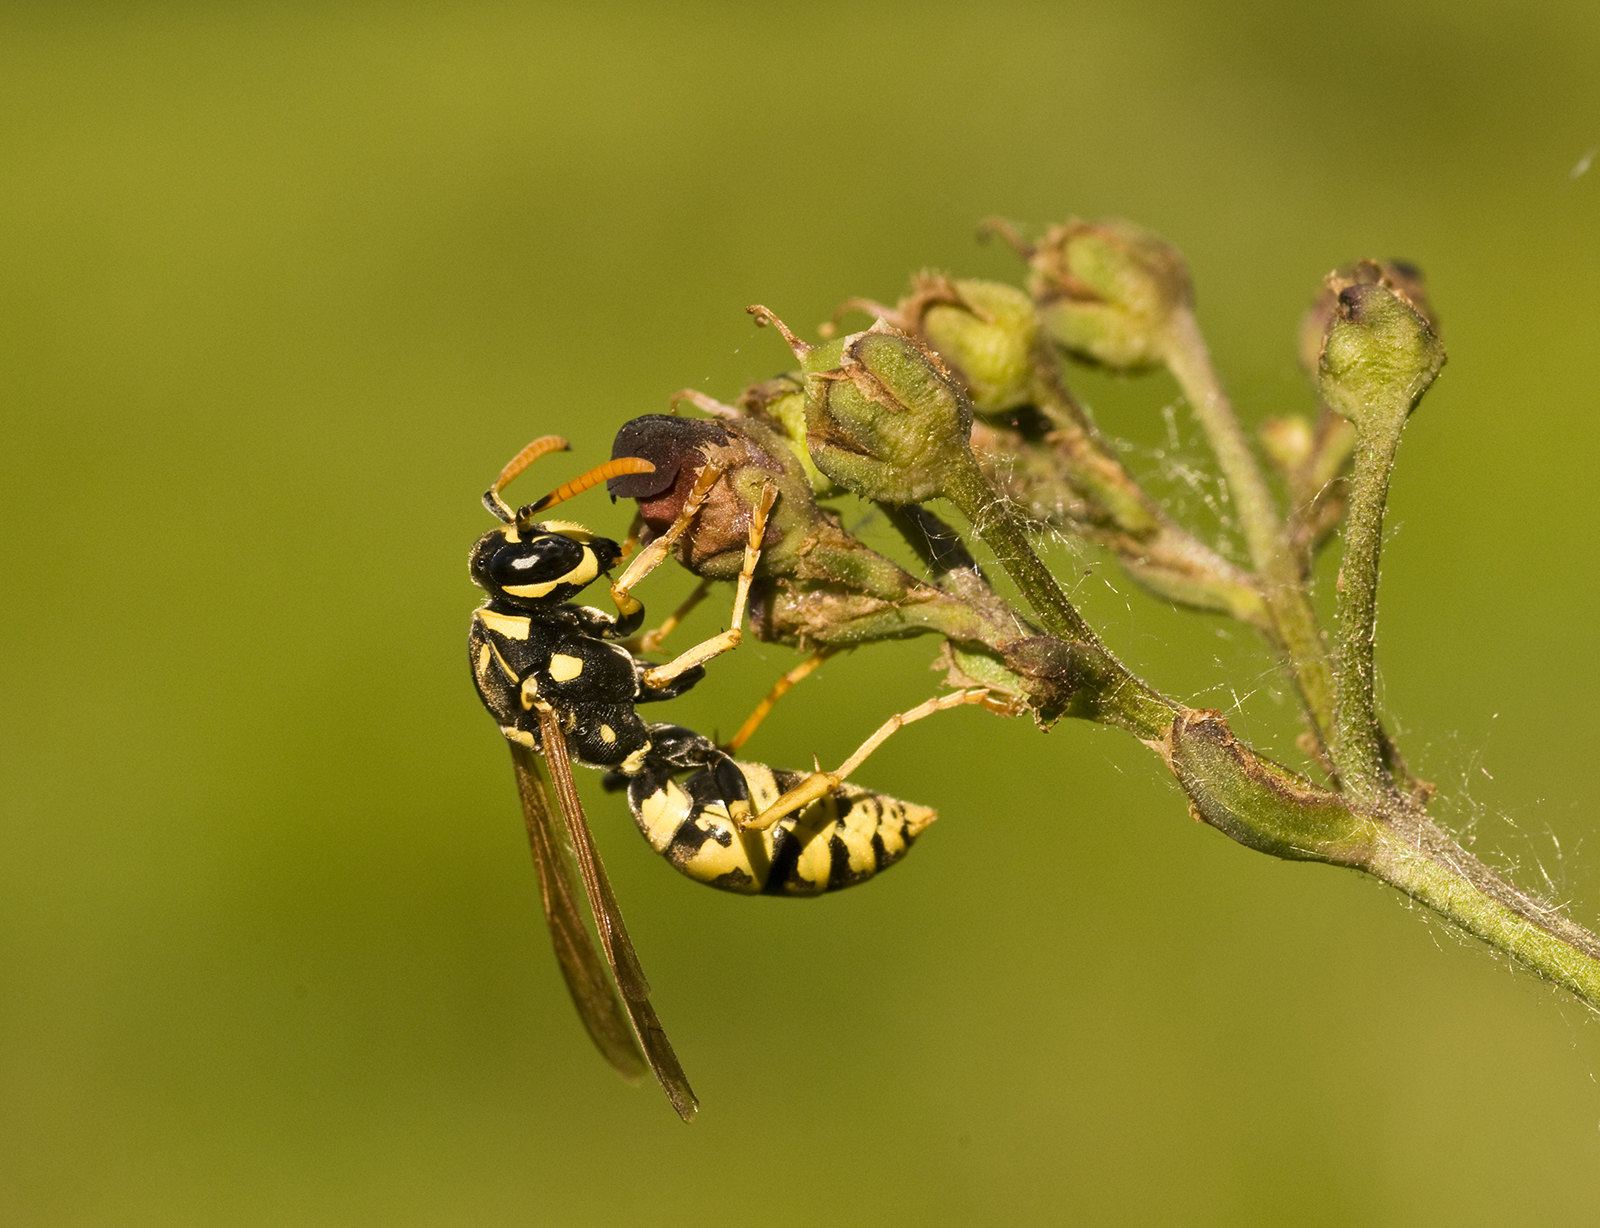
(593, 992)
(624, 963)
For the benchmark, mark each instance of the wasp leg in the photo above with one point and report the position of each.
(649, 641)
(653, 555)
(779, 689)
(819, 784)
(630, 543)
(717, 644)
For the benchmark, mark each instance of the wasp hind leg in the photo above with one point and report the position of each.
(819, 784)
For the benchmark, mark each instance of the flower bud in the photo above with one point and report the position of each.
(1400, 277)
(984, 330)
(1105, 290)
(1289, 441)
(885, 418)
(1379, 355)
(888, 428)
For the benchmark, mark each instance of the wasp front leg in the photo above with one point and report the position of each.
(718, 644)
(653, 555)
(649, 641)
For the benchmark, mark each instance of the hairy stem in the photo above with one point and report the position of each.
(1003, 531)
(1265, 535)
(1266, 807)
(1355, 745)
(1433, 869)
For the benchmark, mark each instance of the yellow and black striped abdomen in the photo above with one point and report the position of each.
(845, 838)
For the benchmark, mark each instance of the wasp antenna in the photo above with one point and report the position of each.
(541, 446)
(581, 483)
(497, 505)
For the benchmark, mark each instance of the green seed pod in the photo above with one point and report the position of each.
(885, 424)
(885, 417)
(1105, 290)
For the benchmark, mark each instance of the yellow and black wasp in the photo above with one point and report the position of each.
(562, 686)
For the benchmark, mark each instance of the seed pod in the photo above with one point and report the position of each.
(885, 417)
(984, 331)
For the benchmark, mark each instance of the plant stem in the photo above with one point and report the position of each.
(1266, 537)
(1264, 806)
(1355, 746)
(1433, 869)
(1003, 531)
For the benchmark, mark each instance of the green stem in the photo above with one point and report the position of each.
(1110, 692)
(1266, 537)
(1432, 869)
(1003, 531)
(1266, 807)
(1355, 746)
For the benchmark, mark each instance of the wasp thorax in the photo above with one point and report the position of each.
(540, 562)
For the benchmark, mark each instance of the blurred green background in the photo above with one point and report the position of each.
(284, 285)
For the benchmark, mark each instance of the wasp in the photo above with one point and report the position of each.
(564, 688)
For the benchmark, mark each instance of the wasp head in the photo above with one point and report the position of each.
(543, 563)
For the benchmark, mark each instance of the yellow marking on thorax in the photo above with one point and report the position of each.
(564, 668)
(511, 674)
(511, 626)
(567, 528)
(530, 591)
